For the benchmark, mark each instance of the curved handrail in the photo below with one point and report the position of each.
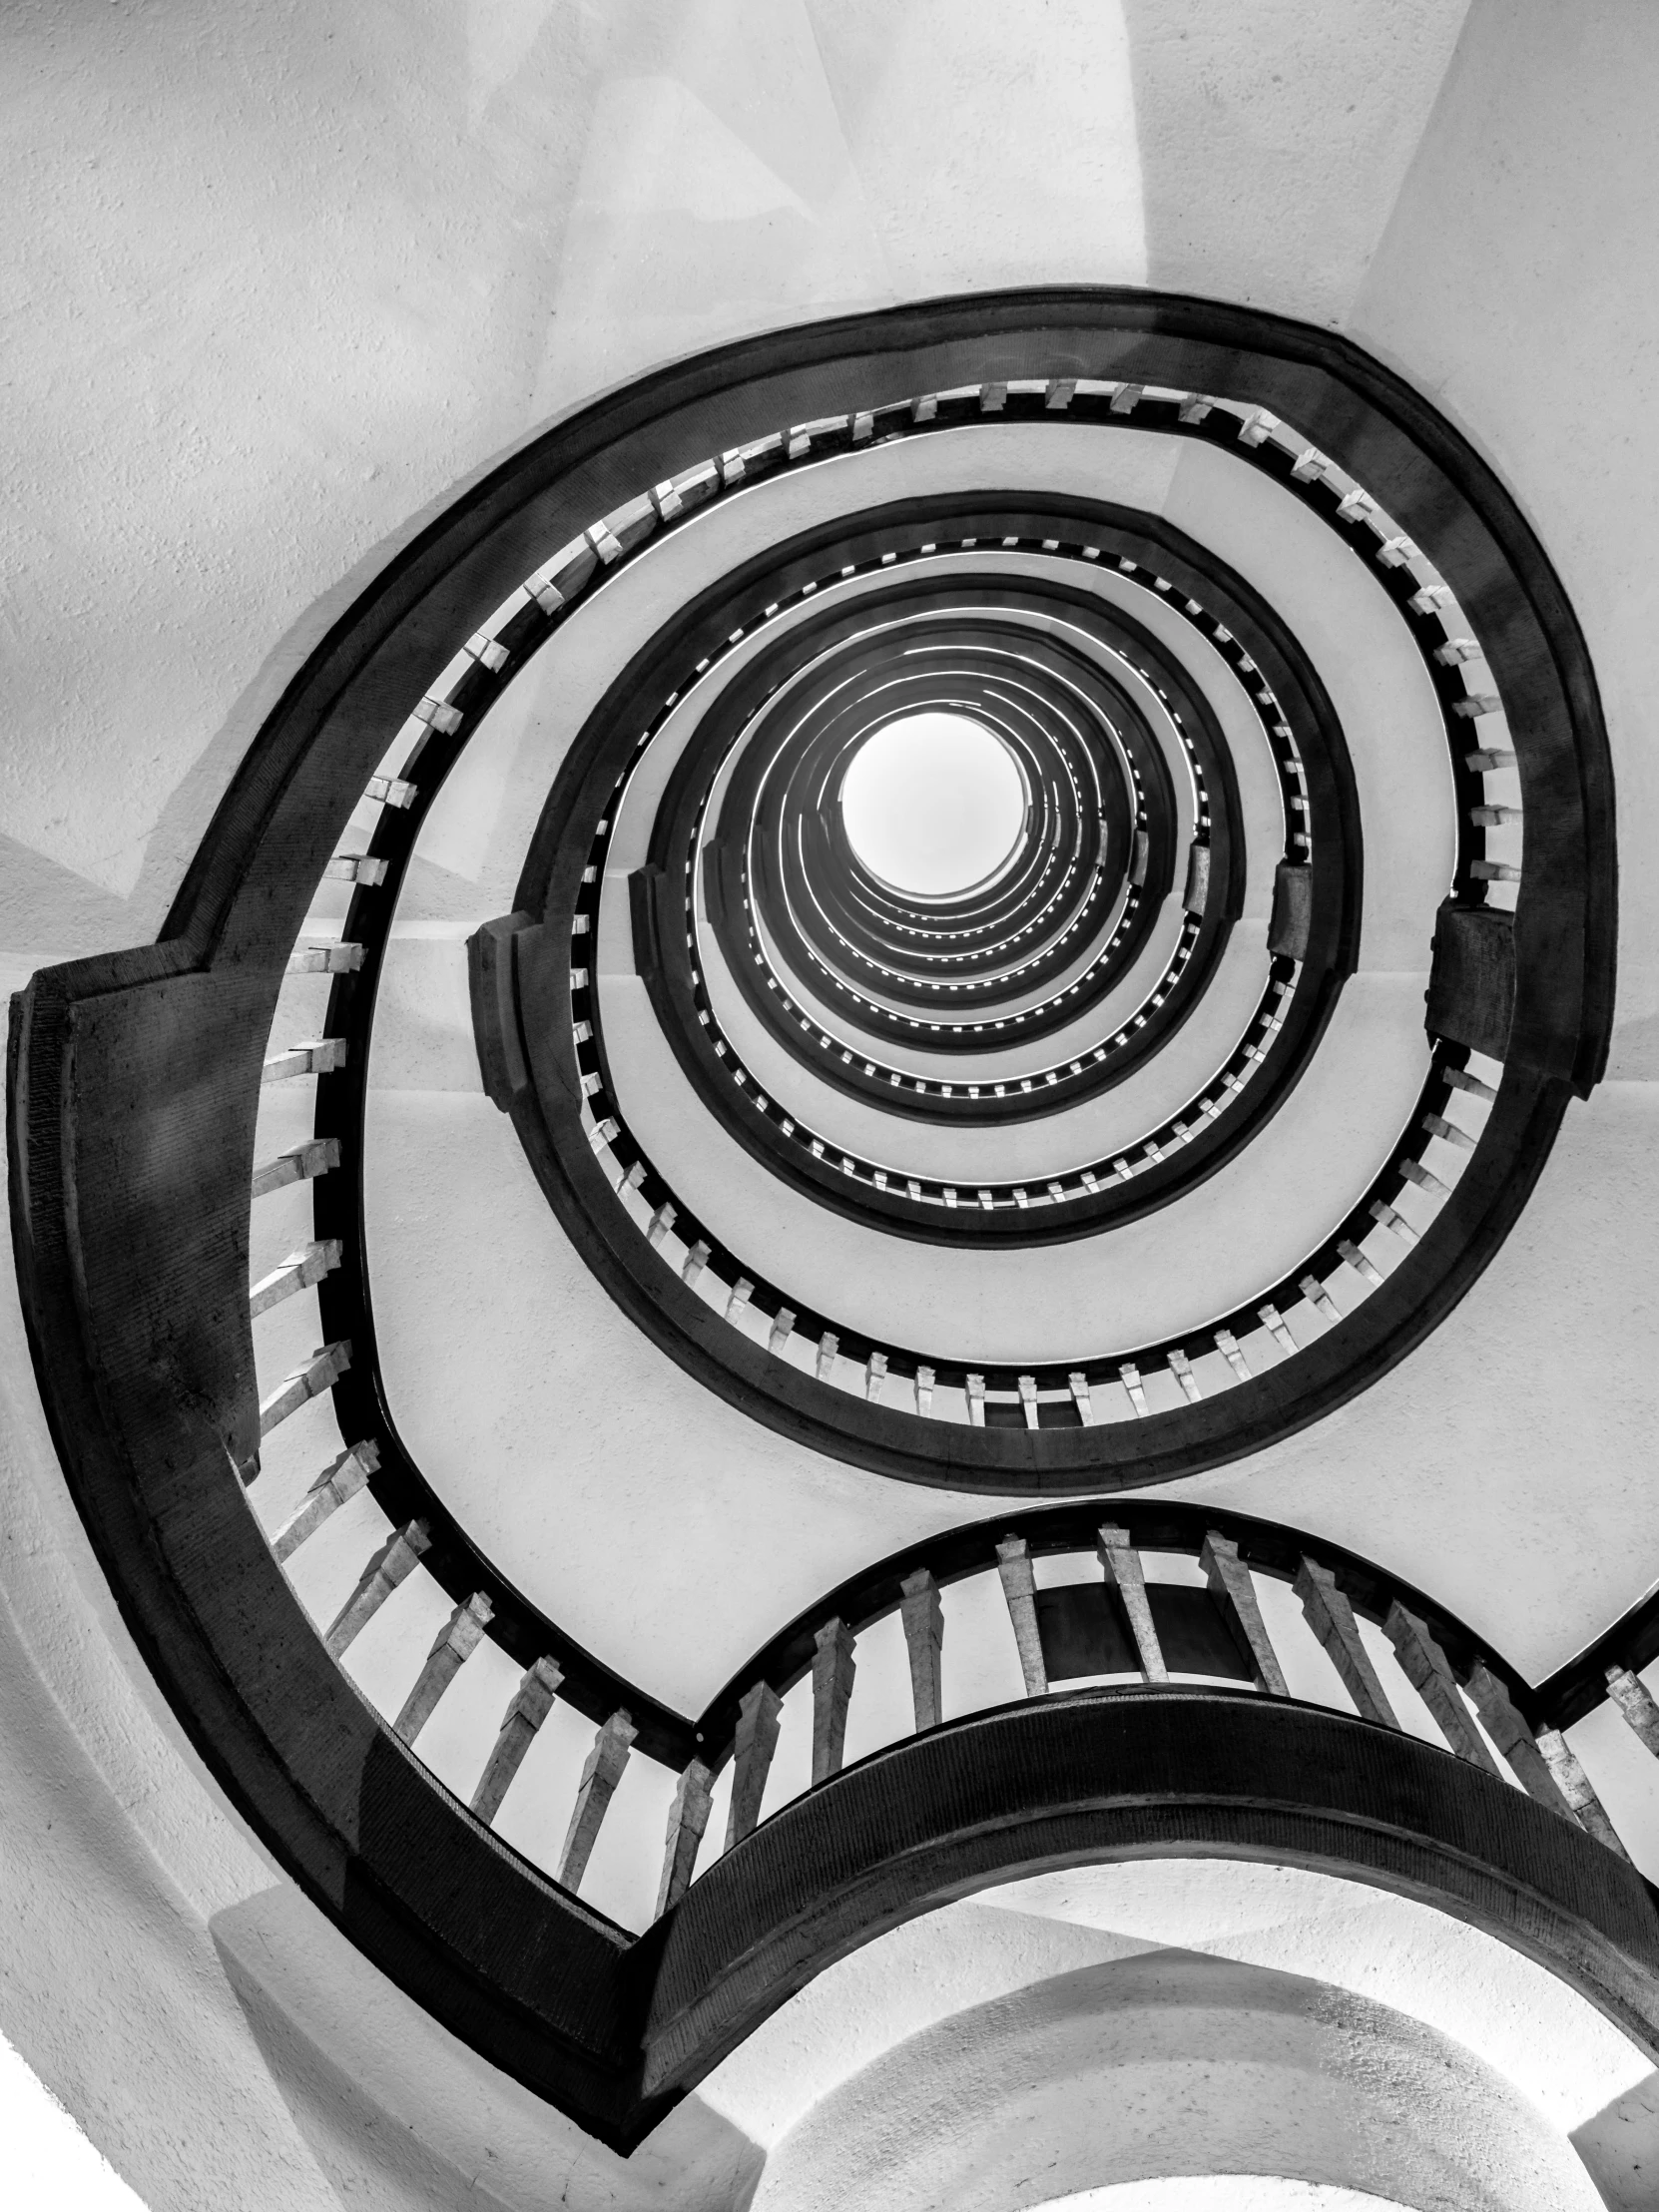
(130, 1189)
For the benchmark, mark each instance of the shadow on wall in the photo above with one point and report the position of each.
(401, 2117)
(1173, 2064)
(1620, 2146)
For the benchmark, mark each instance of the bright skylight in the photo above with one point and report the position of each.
(932, 803)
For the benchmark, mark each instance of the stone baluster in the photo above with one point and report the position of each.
(1272, 1320)
(296, 1164)
(1182, 1370)
(925, 1392)
(1122, 1565)
(1636, 1702)
(1228, 1346)
(1347, 1250)
(456, 1641)
(782, 1322)
(753, 1743)
(311, 1056)
(924, 1622)
(1130, 1376)
(601, 1773)
(338, 1482)
(828, 1347)
(1235, 1592)
(1509, 1732)
(696, 1258)
(1028, 1399)
(876, 1373)
(1081, 1397)
(1020, 1587)
(1331, 1617)
(1575, 1786)
(833, 1668)
(1459, 1079)
(1428, 1671)
(976, 1386)
(297, 1272)
(528, 1707)
(394, 1563)
(688, 1817)
(356, 868)
(321, 1372)
(398, 791)
(325, 959)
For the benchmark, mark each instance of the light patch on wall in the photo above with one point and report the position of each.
(1545, 2038)
(991, 160)
(47, 2158)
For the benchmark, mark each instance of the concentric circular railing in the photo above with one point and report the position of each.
(135, 1110)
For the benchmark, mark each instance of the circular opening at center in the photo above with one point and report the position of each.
(933, 804)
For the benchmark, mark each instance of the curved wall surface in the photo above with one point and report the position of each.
(481, 224)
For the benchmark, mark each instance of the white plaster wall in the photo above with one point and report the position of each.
(278, 282)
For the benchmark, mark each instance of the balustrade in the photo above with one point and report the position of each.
(1133, 1623)
(1141, 1626)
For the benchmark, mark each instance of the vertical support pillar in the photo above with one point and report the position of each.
(1020, 1587)
(833, 1668)
(1121, 1563)
(923, 1620)
(601, 1773)
(1578, 1790)
(752, 1745)
(688, 1817)
(1513, 1738)
(1331, 1617)
(394, 1563)
(531, 1703)
(1636, 1702)
(1428, 1671)
(1235, 1593)
(457, 1640)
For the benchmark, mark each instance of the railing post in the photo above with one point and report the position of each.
(1121, 1563)
(1331, 1617)
(390, 1565)
(923, 1620)
(298, 1163)
(752, 1744)
(1513, 1738)
(297, 1272)
(1578, 1790)
(1235, 1593)
(688, 1817)
(1428, 1671)
(456, 1641)
(833, 1668)
(600, 1775)
(1020, 1587)
(1636, 1702)
(332, 1489)
(529, 1706)
(321, 1372)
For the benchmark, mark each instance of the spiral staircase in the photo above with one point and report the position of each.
(693, 1524)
